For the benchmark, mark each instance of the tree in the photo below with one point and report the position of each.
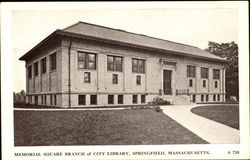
(230, 52)
(19, 97)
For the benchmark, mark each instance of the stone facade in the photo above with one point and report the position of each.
(52, 88)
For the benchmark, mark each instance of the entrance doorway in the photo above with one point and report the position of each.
(167, 76)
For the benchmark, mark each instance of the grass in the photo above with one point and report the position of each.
(99, 127)
(225, 114)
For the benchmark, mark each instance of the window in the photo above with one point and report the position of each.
(143, 98)
(36, 100)
(115, 79)
(194, 98)
(51, 98)
(204, 72)
(204, 84)
(138, 80)
(120, 99)
(86, 60)
(36, 68)
(53, 61)
(216, 84)
(114, 63)
(55, 100)
(87, 77)
(134, 99)
(138, 65)
(207, 97)
(43, 65)
(93, 99)
(190, 83)
(216, 73)
(41, 99)
(191, 71)
(110, 99)
(29, 99)
(30, 71)
(214, 97)
(81, 99)
(218, 97)
(202, 98)
(45, 100)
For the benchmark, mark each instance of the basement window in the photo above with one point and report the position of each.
(81, 99)
(202, 98)
(135, 99)
(218, 97)
(93, 99)
(120, 99)
(214, 97)
(143, 98)
(110, 99)
(207, 98)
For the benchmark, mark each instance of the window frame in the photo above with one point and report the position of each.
(114, 78)
(138, 80)
(114, 63)
(88, 78)
(53, 61)
(36, 69)
(190, 83)
(110, 99)
(203, 71)
(216, 73)
(135, 99)
(189, 71)
(93, 100)
(202, 98)
(215, 84)
(86, 61)
(119, 98)
(204, 83)
(44, 65)
(137, 67)
(143, 98)
(82, 99)
(30, 71)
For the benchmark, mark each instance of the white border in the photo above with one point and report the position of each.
(218, 151)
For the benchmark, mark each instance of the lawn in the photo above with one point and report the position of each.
(225, 114)
(99, 127)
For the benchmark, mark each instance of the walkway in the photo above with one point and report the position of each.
(211, 131)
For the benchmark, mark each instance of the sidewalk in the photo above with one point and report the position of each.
(211, 131)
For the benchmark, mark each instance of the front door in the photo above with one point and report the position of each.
(167, 76)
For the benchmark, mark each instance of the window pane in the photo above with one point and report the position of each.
(81, 56)
(115, 79)
(81, 99)
(53, 61)
(143, 98)
(110, 59)
(118, 60)
(91, 65)
(81, 64)
(110, 99)
(93, 99)
(110, 66)
(118, 67)
(91, 57)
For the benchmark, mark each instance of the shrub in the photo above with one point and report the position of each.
(159, 101)
(158, 109)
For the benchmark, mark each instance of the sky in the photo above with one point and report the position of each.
(192, 26)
